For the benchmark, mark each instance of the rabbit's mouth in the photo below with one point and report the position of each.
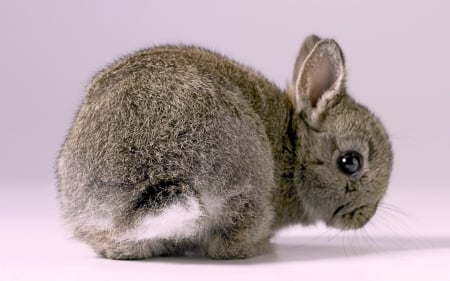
(347, 217)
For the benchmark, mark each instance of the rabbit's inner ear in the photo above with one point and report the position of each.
(321, 77)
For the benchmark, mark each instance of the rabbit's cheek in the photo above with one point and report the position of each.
(176, 221)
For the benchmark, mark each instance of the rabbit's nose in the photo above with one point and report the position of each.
(349, 188)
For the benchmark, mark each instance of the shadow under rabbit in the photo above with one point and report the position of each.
(310, 248)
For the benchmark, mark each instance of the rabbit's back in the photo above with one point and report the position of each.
(162, 117)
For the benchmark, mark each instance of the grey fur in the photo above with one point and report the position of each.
(175, 122)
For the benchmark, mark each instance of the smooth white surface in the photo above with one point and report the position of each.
(408, 242)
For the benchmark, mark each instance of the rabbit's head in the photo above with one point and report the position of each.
(343, 151)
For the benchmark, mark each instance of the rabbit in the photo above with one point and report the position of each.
(177, 148)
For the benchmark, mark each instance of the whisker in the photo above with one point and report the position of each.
(336, 234)
(389, 216)
(350, 235)
(376, 246)
(344, 244)
(392, 208)
(317, 237)
(389, 221)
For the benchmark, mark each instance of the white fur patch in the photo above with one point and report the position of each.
(176, 221)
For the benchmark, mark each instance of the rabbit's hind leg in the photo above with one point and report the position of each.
(244, 231)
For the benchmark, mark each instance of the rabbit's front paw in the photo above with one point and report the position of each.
(220, 248)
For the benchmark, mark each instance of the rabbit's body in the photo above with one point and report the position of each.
(178, 147)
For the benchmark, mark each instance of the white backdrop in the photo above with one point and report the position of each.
(397, 55)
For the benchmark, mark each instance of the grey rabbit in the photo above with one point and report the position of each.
(178, 148)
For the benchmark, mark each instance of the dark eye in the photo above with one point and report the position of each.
(350, 162)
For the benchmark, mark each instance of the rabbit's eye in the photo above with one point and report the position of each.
(350, 162)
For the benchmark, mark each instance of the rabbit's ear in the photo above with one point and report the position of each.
(308, 44)
(320, 78)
